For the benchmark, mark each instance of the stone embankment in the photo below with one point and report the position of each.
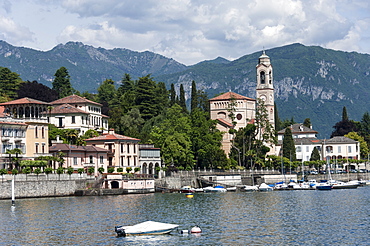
(27, 186)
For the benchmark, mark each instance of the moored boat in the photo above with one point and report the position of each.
(265, 187)
(145, 228)
(214, 189)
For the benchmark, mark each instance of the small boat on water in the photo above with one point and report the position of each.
(344, 185)
(145, 228)
(323, 186)
(250, 188)
(217, 188)
(187, 189)
(265, 187)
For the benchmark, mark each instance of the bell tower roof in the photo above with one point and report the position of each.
(264, 59)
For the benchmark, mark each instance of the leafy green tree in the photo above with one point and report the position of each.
(9, 83)
(70, 170)
(344, 126)
(132, 123)
(111, 170)
(26, 170)
(61, 83)
(90, 170)
(172, 135)
(136, 169)
(37, 91)
(128, 169)
(107, 95)
(315, 155)
(265, 132)
(206, 141)
(288, 145)
(37, 171)
(80, 171)
(146, 97)
(15, 171)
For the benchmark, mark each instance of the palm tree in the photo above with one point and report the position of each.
(15, 159)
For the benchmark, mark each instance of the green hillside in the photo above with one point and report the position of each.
(310, 81)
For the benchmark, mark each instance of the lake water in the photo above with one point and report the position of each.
(308, 217)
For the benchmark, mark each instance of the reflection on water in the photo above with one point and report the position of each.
(282, 217)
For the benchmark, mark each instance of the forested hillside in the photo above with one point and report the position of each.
(310, 82)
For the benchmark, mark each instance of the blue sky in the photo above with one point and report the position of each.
(188, 31)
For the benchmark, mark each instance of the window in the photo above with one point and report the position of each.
(75, 161)
(73, 119)
(43, 148)
(298, 149)
(339, 149)
(349, 149)
(135, 148)
(121, 148)
(262, 76)
(36, 148)
(101, 159)
(36, 133)
(91, 159)
(43, 132)
(128, 148)
(307, 149)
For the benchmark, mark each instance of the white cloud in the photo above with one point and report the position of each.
(12, 32)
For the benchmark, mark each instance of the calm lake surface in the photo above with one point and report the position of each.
(308, 217)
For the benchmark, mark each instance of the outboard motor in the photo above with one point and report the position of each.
(120, 232)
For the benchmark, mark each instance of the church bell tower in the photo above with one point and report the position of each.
(265, 85)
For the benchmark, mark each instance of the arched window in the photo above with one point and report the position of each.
(262, 77)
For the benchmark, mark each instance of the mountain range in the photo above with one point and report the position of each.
(309, 81)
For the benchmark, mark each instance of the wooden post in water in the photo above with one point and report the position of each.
(13, 196)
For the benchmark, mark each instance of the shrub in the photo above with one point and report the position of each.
(101, 170)
(120, 169)
(110, 169)
(128, 169)
(91, 170)
(48, 170)
(136, 169)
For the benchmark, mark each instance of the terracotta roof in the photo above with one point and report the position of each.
(25, 100)
(12, 123)
(2, 109)
(67, 109)
(111, 136)
(68, 147)
(298, 128)
(304, 141)
(72, 99)
(230, 95)
(225, 123)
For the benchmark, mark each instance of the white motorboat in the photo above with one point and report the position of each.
(214, 189)
(145, 228)
(265, 187)
(250, 188)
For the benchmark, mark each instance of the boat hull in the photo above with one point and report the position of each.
(145, 228)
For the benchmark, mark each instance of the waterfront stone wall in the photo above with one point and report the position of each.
(63, 185)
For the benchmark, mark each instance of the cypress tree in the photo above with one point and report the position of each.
(194, 97)
(288, 145)
(315, 155)
(172, 95)
(344, 114)
(307, 122)
(61, 83)
(182, 98)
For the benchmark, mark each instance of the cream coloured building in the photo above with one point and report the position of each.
(123, 150)
(241, 108)
(75, 112)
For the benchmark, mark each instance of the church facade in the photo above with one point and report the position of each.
(234, 111)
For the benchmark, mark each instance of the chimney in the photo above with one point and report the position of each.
(111, 131)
